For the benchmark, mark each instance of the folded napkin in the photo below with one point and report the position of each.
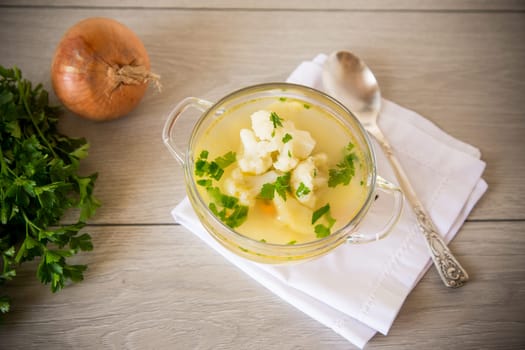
(358, 290)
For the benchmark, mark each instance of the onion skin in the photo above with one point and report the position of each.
(100, 69)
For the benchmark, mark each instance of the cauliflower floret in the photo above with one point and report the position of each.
(298, 146)
(235, 185)
(262, 125)
(285, 160)
(302, 144)
(247, 187)
(257, 155)
(321, 173)
(294, 215)
(307, 178)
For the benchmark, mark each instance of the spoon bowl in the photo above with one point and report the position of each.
(349, 80)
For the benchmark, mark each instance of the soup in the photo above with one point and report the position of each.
(280, 170)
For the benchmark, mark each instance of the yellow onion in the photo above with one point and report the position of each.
(101, 69)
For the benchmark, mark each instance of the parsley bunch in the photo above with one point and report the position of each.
(38, 184)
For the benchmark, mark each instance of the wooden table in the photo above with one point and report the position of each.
(152, 285)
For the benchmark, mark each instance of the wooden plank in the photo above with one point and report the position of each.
(464, 71)
(374, 5)
(161, 287)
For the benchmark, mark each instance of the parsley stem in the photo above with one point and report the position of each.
(24, 89)
(4, 167)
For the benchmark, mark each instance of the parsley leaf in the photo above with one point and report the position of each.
(276, 120)
(281, 186)
(287, 137)
(345, 170)
(320, 212)
(227, 208)
(302, 190)
(226, 160)
(215, 168)
(323, 230)
(267, 191)
(39, 182)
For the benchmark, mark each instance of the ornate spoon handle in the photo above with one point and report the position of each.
(450, 270)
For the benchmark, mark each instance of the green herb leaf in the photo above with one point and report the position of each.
(226, 160)
(215, 168)
(287, 137)
(281, 186)
(320, 212)
(204, 182)
(267, 191)
(227, 208)
(302, 190)
(204, 154)
(345, 170)
(5, 303)
(276, 120)
(323, 230)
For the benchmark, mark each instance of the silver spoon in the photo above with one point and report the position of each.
(349, 80)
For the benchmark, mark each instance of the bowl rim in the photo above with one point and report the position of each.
(287, 249)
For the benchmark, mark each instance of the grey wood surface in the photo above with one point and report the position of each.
(151, 284)
(296, 5)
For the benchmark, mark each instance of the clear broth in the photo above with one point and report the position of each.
(331, 138)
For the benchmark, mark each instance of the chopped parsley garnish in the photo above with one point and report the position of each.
(281, 186)
(302, 190)
(320, 212)
(221, 199)
(204, 182)
(282, 99)
(306, 106)
(267, 191)
(287, 137)
(345, 170)
(292, 242)
(227, 208)
(323, 230)
(226, 160)
(215, 168)
(276, 120)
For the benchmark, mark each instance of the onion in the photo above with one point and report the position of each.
(101, 69)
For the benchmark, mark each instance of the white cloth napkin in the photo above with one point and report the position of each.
(358, 290)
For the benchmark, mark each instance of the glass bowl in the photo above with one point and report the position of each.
(257, 250)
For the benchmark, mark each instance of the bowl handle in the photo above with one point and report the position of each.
(169, 126)
(391, 189)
